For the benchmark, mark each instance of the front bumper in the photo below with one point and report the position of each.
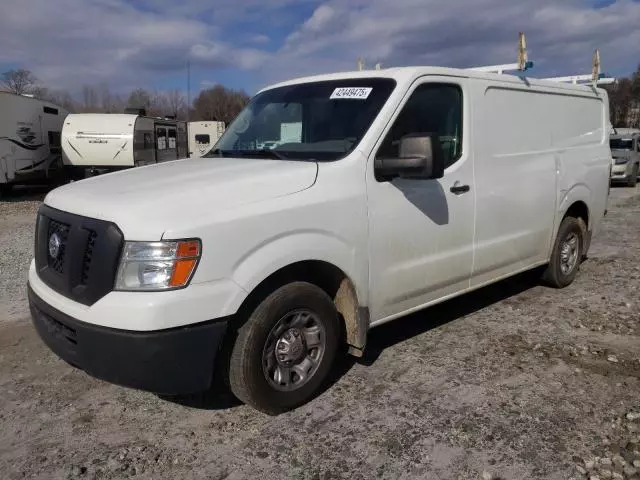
(148, 311)
(621, 172)
(173, 361)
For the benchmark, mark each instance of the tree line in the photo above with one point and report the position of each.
(624, 101)
(220, 103)
(217, 103)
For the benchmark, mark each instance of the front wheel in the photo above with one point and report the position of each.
(284, 352)
(568, 251)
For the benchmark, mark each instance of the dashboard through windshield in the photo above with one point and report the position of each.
(321, 121)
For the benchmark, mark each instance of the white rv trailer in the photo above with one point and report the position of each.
(93, 142)
(29, 139)
(203, 136)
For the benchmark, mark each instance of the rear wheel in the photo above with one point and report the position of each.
(633, 178)
(568, 251)
(284, 352)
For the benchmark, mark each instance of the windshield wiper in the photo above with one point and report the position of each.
(216, 152)
(247, 153)
(262, 153)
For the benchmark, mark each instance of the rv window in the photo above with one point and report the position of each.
(204, 139)
(52, 111)
(172, 139)
(161, 133)
(434, 108)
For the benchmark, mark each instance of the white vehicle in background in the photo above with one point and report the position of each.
(203, 136)
(393, 190)
(100, 142)
(29, 140)
(625, 153)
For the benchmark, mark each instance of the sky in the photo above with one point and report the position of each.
(248, 44)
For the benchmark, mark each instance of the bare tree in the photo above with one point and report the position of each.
(89, 99)
(109, 103)
(219, 104)
(176, 104)
(624, 101)
(139, 98)
(19, 81)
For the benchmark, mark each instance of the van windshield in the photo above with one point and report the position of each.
(620, 144)
(320, 121)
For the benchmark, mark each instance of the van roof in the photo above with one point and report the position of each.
(403, 75)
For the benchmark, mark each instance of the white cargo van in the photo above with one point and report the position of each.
(399, 189)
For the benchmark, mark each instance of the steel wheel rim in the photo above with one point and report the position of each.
(569, 250)
(294, 350)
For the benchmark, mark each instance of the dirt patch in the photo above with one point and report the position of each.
(516, 381)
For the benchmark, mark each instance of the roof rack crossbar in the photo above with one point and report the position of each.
(581, 79)
(523, 64)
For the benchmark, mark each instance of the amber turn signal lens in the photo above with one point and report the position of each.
(189, 248)
(182, 272)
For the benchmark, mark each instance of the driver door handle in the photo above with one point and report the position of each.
(459, 189)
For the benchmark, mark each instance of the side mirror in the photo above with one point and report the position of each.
(420, 156)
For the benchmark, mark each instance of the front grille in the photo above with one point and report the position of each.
(85, 264)
(62, 230)
(88, 256)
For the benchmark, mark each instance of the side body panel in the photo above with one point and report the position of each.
(99, 140)
(538, 152)
(515, 180)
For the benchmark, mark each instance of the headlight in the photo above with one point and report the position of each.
(148, 266)
(621, 161)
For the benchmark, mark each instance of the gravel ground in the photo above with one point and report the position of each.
(516, 381)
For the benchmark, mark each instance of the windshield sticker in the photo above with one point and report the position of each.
(357, 93)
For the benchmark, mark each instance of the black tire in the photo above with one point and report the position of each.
(247, 378)
(554, 275)
(633, 178)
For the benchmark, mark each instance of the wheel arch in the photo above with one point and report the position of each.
(329, 278)
(576, 203)
(319, 257)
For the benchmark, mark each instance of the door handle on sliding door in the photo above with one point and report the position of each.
(459, 189)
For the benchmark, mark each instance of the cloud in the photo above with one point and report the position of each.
(259, 38)
(129, 43)
(67, 43)
(462, 33)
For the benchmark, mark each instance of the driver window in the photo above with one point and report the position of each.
(432, 108)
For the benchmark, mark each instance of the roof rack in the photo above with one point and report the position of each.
(523, 64)
(596, 77)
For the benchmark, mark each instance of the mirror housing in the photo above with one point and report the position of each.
(420, 157)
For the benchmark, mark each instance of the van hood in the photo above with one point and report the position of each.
(145, 202)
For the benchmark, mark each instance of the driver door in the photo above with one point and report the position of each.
(421, 231)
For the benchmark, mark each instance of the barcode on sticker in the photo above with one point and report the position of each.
(358, 93)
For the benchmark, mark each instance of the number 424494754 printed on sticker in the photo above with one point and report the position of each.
(357, 93)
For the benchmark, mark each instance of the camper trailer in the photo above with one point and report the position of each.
(29, 139)
(203, 136)
(96, 143)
